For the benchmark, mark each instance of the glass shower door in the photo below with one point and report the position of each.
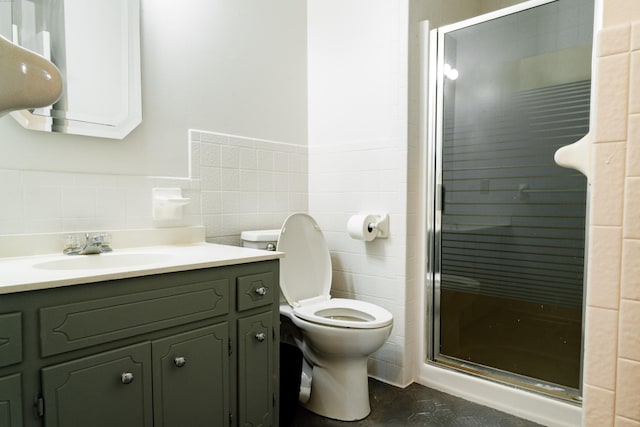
(510, 224)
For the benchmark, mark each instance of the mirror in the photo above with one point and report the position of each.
(96, 46)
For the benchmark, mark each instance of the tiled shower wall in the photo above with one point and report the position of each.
(246, 183)
(612, 347)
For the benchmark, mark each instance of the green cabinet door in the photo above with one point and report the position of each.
(191, 378)
(255, 370)
(106, 390)
(11, 401)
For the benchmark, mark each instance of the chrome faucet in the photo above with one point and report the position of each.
(95, 243)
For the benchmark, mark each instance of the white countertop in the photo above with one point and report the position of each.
(28, 273)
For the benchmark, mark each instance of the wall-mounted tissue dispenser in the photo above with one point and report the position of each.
(168, 203)
(367, 227)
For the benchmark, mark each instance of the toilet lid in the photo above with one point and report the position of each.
(305, 271)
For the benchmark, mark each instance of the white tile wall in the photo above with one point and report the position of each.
(612, 347)
(246, 183)
(344, 181)
(358, 155)
(47, 202)
(236, 184)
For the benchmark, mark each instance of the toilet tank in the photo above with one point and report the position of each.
(260, 239)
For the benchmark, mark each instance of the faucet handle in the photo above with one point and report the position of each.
(93, 237)
(105, 240)
(71, 242)
(98, 238)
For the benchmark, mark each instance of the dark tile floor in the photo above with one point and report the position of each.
(416, 406)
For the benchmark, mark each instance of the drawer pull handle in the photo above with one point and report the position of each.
(126, 378)
(180, 361)
(261, 336)
(262, 291)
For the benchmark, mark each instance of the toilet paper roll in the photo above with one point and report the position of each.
(358, 227)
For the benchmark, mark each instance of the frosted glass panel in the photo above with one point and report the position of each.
(512, 239)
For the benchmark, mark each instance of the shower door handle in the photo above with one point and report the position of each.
(440, 192)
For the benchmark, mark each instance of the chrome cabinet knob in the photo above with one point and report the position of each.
(126, 378)
(271, 247)
(261, 336)
(262, 291)
(180, 361)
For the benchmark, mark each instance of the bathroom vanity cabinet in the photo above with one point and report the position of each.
(193, 348)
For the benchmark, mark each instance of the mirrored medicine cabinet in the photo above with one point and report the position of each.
(96, 46)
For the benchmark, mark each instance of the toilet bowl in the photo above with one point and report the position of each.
(338, 334)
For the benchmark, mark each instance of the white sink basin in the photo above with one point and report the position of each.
(28, 272)
(102, 261)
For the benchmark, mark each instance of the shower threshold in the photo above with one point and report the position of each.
(556, 391)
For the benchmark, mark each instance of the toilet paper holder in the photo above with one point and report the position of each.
(382, 225)
(368, 226)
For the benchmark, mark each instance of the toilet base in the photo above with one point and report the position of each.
(341, 390)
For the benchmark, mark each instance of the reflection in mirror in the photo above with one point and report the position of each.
(5, 19)
(28, 79)
(96, 46)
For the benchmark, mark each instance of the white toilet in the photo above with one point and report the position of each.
(338, 335)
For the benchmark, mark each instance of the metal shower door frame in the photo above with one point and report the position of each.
(434, 200)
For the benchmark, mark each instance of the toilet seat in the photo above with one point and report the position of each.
(305, 280)
(345, 313)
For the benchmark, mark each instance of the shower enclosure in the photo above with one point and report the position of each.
(507, 227)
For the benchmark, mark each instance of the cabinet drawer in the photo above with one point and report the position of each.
(10, 338)
(11, 401)
(77, 325)
(255, 290)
